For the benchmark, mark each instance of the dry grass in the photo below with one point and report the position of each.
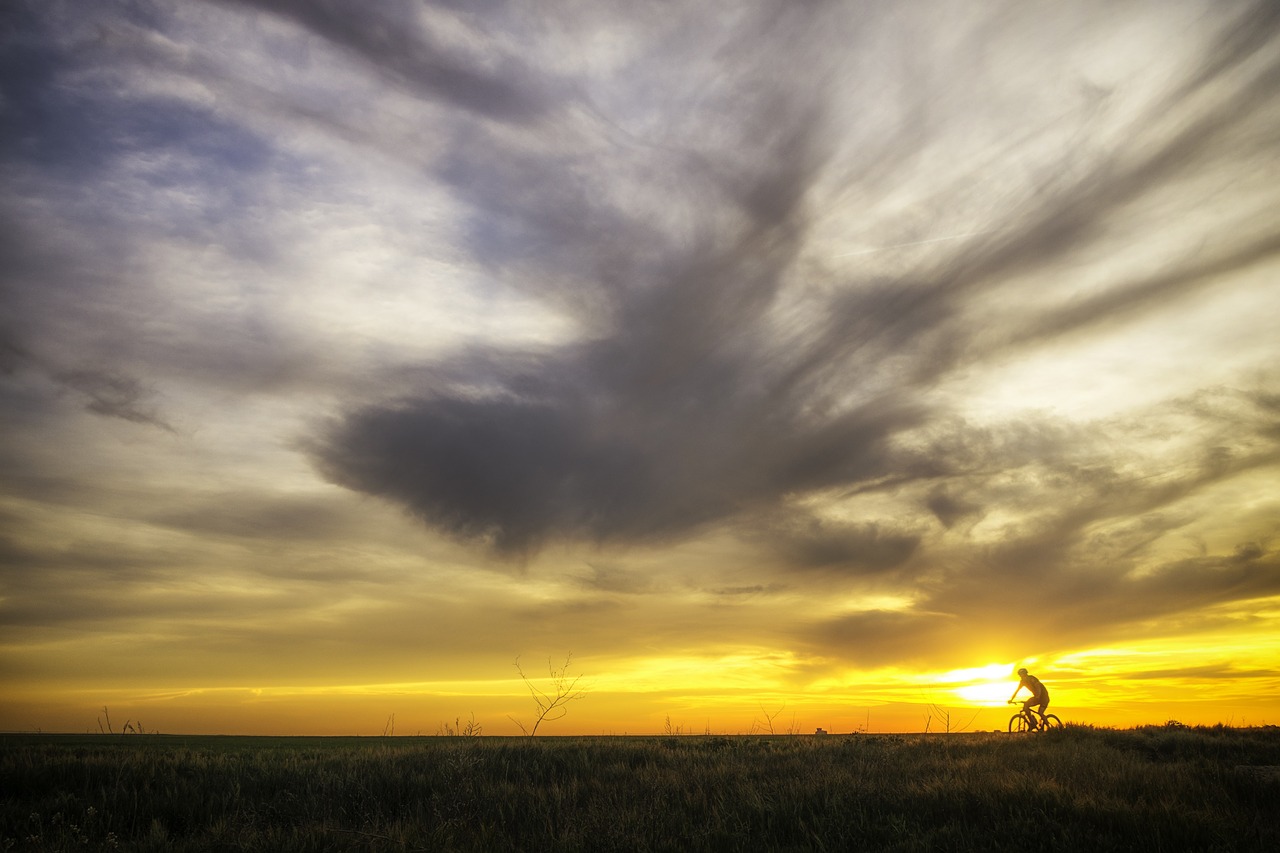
(1082, 788)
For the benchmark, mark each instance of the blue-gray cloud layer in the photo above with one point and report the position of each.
(696, 397)
(785, 239)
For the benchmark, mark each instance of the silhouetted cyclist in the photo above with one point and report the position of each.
(1039, 693)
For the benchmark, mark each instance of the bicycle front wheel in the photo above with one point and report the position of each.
(1018, 723)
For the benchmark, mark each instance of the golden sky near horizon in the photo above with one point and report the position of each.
(789, 365)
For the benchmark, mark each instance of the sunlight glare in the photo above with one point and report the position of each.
(990, 672)
(986, 693)
(983, 685)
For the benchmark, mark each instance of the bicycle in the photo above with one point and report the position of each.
(1029, 720)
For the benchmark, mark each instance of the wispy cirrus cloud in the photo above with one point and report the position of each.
(716, 378)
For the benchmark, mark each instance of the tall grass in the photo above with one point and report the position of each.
(1082, 788)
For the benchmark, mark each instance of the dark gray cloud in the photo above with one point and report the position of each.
(807, 542)
(517, 473)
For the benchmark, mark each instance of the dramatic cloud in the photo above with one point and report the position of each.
(724, 370)
(814, 339)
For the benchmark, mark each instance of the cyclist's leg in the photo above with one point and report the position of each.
(1032, 722)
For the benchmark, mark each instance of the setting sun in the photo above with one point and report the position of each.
(983, 686)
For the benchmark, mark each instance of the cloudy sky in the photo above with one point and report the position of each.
(805, 361)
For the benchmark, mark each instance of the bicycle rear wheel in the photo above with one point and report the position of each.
(1018, 723)
(1051, 721)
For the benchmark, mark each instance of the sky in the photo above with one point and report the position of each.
(765, 365)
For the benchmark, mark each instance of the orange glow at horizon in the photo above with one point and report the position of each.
(1142, 683)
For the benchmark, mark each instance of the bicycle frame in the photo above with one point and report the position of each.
(1029, 719)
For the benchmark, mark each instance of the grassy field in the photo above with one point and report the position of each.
(1165, 788)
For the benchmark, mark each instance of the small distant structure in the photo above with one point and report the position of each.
(820, 731)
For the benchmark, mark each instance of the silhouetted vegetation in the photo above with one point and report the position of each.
(1157, 788)
(552, 703)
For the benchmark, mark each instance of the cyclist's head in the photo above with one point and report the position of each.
(1022, 671)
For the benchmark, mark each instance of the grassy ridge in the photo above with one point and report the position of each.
(1082, 788)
